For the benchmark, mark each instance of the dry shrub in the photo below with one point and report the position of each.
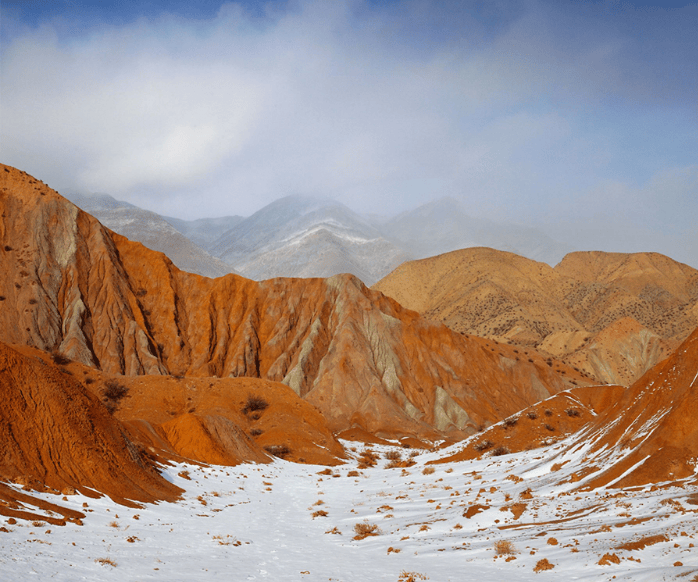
(365, 529)
(60, 359)
(548, 412)
(411, 577)
(184, 475)
(511, 421)
(504, 548)
(256, 432)
(254, 403)
(572, 412)
(114, 524)
(550, 427)
(112, 393)
(353, 474)
(428, 471)
(483, 446)
(320, 513)
(281, 451)
(499, 451)
(532, 414)
(542, 565)
(393, 455)
(367, 459)
(334, 531)
(106, 562)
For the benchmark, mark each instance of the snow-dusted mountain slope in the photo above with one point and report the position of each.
(204, 232)
(299, 236)
(153, 231)
(507, 517)
(444, 225)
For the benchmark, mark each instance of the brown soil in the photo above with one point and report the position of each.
(611, 315)
(56, 434)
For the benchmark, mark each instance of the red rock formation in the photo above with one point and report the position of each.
(53, 432)
(71, 285)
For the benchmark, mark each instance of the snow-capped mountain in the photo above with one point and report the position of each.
(153, 231)
(299, 236)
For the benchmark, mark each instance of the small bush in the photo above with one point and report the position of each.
(548, 412)
(320, 513)
(256, 432)
(59, 359)
(254, 403)
(549, 427)
(281, 451)
(428, 471)
(499, 451)
(572, 412)
(365, 529)
(504, 548)
(393, 456)
(484, 445)
(114, 391)
(353, 474)
(532, 414)
(89, 381)
(106, 562)
(511, 421)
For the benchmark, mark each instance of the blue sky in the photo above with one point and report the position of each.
(533, 111)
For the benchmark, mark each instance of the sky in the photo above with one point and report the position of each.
(557, 113)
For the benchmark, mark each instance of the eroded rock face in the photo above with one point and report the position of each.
(72, 285)
(55, 433)
(612, 315)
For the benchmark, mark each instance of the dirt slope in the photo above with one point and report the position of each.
(362, 359)
(53, 432)
(611, 315)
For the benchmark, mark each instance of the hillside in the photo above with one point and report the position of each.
(359, 357)
(610, 315)
(156, 233)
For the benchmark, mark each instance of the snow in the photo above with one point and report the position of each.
(255, 522)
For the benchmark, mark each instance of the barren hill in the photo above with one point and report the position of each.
(156, 232)
(611, 315)
(363, 360)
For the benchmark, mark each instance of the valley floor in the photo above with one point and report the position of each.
(486, 520)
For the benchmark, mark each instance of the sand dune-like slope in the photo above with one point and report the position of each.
(54, 433)
(611, 315)
(362, 359)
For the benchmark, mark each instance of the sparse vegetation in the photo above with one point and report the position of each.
(256, 432)
(411, 577)
(320, 513)
(504, 548)
(281, 451)
(60, 359)
(365, 529)
(428, 471)
(106, 562)
(511, 421)
(550, 427)
(499, 451)
(483, 445)
(548, 412)
(532, 414)
(112, 393)
(255, 403)
(572, 412)
(393, 455)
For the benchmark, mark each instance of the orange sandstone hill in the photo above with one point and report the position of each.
(54, 433)
(645, 434)
(70, 285)
(611, 315)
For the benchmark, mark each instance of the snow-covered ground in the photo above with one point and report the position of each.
(256, 522)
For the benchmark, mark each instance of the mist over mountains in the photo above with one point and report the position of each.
(304, 236)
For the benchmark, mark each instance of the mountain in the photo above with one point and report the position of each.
(444, 225)
(610, 315)
(363, 360)
(155, 232)
(300, 236)
(204, 232)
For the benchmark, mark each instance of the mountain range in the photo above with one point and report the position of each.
(303, 236)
